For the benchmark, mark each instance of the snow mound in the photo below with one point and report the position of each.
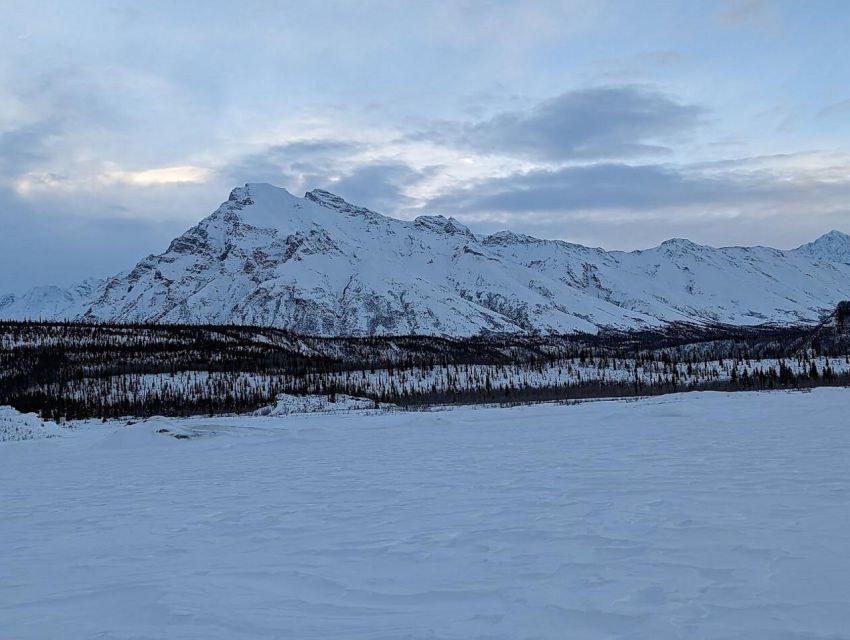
(156, 431)
(16, 426)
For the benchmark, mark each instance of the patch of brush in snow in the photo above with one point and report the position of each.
(16, 426)
(288, 404)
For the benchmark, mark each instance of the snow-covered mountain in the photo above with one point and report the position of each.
(49, 302)
(320, 265)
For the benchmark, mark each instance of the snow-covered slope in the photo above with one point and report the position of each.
(323, 266)
(680, 280)
(48, 302)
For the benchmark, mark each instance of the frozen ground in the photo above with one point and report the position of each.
(689, 516)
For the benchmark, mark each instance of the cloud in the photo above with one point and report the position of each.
(381, 186)
(778, 201)
(51, 242)
(96, 182)
(294, 165)
(593, 123)
(25, 146)
(637, 190)
(162, 175)
(840, 109)
(118, 112)
(761, 14)
(353, 170)
(70, 129)
(590, 187)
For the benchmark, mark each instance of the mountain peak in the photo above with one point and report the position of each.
(832, 237)
(833, 246)
(506, 238)
(245, 195)
(239, 195)
(683, 243)
(327, 199)
(334, 202)
(442, 224)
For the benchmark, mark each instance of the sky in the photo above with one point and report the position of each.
(612, 123)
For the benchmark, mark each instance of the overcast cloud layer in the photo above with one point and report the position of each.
(610, 123)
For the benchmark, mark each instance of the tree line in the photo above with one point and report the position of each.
(67, 370)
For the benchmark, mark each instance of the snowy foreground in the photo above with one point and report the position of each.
(691, 516)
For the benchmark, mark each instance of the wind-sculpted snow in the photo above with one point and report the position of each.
(701, 515)
(319, 265)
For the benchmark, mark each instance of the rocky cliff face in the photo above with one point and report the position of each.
(321, 265)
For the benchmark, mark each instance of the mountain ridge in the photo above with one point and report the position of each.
(324, 266)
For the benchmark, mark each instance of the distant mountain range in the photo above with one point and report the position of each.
(319, 265)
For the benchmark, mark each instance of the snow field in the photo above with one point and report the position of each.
(702, 515)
